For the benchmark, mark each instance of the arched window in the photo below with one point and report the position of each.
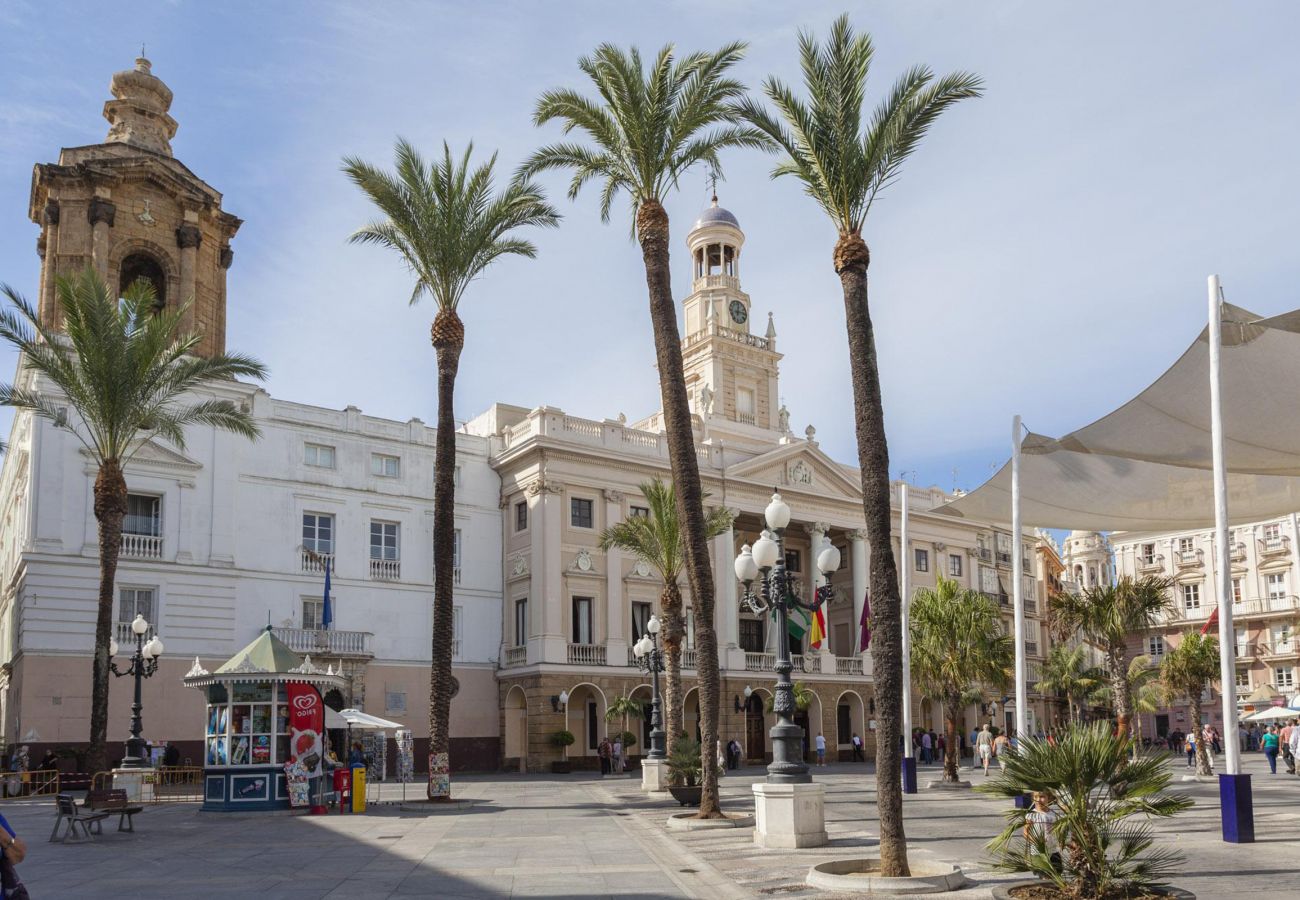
(142, 266)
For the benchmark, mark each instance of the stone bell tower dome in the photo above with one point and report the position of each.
(130, 210)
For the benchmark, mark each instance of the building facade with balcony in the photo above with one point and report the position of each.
(224, 535)
(571, 612)
(1266, 613)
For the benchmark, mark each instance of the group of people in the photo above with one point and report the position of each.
(612, 759)
(1209, 736)
(1281, 740)
(991, 746)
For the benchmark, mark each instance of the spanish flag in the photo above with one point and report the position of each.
(817, 631)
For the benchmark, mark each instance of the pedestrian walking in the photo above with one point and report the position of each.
(821, 749)
(606, 752)
(1294, 744)
(1284, 746)
(857, 749)
(1001, 747)
(1210, 742)
(1270, 743)
(984, 746)
(12, 851)
(925, 747)
(617, 755)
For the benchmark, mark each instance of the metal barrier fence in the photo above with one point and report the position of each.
(24, 785)
(166, 784)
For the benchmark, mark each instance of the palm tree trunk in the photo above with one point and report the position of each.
(952, 703)
(1202, 752)
(652, 230)
(1119, 692)
(448, 337)
(851, 261)
(110, 509)
(674, 627)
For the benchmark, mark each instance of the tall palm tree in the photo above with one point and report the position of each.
(126, 370)
(647, 129)
(446, 223)
(957, 644)
(658, 539)
(1110, 615)
(1185, 672)
(1144, 691)
(1066, 672)
(843, 164)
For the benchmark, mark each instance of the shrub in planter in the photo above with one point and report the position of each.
(1088, 836)
(562, 739)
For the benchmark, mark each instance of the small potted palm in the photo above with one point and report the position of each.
(562, 740)
(685, 771)
(1087, 835)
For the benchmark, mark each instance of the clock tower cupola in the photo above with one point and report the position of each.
(731, 372)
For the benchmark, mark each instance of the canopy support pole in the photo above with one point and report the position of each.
(905, 604)
(1017, 589)
(1234, 787)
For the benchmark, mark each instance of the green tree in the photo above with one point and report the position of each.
(1067, 673)
(1185, 672)
(446, 223)
(649, 127)
(1110, 615)
(129, 375)
(658, 539)
(1144, 690)
(844, 163)
(1102, 801)
(957, 645)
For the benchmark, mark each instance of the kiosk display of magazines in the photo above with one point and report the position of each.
(264, 738)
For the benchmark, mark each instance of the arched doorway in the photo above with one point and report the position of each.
(143, 267)
(585, 717)
(850, 719)
(516, 722)
(810, 720)
(690, 715)
(756, 726)
(644, 725)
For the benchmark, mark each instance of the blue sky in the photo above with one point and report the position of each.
(1044, 253)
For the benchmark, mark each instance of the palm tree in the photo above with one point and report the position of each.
(125, 369)
(1066, 671)
(658, 540)
(1185, 672)
(843, 167)
(957, 643)
(1110, 615)
(647, 129)
(446, 223)
(1144, 692)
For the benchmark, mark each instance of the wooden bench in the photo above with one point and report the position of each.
(109, 802)
(75, 817)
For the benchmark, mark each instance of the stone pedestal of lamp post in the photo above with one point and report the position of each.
(790, 815)
(654, 775)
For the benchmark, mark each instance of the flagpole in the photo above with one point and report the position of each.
(905, 600)
(1017, 592)
(1238, 817)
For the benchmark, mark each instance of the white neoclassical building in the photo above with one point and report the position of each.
(226, 535)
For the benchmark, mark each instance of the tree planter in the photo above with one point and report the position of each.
(863, 875)
(686, 796)
(1043, 890)
(561, 768)
(947, 786)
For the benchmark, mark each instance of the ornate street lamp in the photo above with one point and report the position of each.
(650, 659)
(765, 563)
(144, 662)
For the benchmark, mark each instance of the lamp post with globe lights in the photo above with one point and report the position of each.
(144, 662)
(649, 659)
(765, 563)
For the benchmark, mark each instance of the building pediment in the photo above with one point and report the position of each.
(153, 456)
(799, 466)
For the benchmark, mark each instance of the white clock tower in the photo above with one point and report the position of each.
(731, 373)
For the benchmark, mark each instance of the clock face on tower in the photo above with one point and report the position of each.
(738, 312)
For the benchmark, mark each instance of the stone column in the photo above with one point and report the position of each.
(188, 238)
(554, 640)
(101, 213)
(859, 567)
(727, 600)
(49, 255)
(617, 631)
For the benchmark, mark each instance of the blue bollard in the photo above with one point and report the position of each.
(1237, 809)
(909, 774)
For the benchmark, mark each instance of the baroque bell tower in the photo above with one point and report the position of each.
(731, 372)
(130, 210)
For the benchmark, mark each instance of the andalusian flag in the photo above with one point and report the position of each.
(796, 623)
(817, 633)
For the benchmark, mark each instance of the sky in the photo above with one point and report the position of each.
(1045, 252)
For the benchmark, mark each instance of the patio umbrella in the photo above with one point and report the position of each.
(1273, 713)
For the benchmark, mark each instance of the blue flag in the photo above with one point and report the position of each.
(327, 614)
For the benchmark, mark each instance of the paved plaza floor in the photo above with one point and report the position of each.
(584, 836)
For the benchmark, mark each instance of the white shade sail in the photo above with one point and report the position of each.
(365, 722)
(1146, 466)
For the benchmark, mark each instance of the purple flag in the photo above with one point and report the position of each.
(864, 626)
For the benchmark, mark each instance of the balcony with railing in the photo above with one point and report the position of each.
(983, 554)
(809, 664)
(327, 642)
(1031, 648)
(1003, 559)
(848, 665)
(1148, 564)
(689, 659)
(313, 563)
(142, 546)
(586, 654)
(1237, 552)
(455, 575)
(1273, 547)
(760, 662)
(126, 637)
(515, 656)
(385, 569)
(1266, 606)
(1189, 559)
(1281, 649)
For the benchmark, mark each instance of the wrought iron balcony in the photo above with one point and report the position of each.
(1270, 547)
(1189, 559)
